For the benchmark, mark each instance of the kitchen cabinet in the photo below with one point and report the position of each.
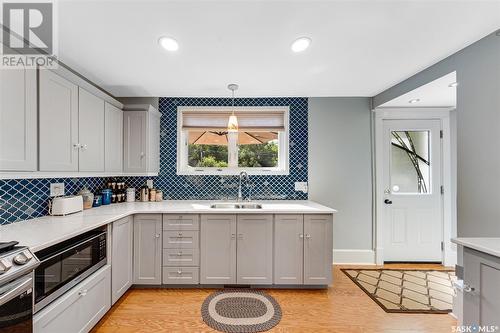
(121, 256)
(113, 138)
(147, 248)
(254, 263)
(141, 141)
(288, 249)
(79, 309)
(90, 132)
(318, 249)
(18, 120)
(58, 123)
(218, 249)
(481, 303)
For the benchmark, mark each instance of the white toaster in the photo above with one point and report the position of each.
(66, 205)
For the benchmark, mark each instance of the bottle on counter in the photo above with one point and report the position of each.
(152, 194)
(159, 195)
(144, 193)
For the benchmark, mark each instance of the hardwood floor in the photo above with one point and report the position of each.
(342, 308)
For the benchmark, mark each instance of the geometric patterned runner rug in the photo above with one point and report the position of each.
(406, 291)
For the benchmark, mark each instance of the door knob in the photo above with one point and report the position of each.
(388, 202)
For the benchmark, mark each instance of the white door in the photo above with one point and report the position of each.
(58, 123)
(412, 216)
(90, 132)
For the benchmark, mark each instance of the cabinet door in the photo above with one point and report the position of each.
(122, 255)
(79, 309)
(113, 138)
(135, 128)
(481, 305)
(288, 249)
(318, 249)
(147, 249)
(154, 144)
(90, 132)
(58, 123)
(255, 249)
(18, 120)
(218, 249)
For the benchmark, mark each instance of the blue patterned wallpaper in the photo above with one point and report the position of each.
(27, 198)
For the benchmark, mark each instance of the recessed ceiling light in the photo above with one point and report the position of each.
(453, 84)
(168, 44)
(413, 101)
(301, 44)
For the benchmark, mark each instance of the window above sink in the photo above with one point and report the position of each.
(206, 147)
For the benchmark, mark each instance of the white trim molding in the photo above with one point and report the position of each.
(351, 257)
(449, 255)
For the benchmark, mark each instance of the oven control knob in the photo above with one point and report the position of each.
(4, 266)
(22, 258)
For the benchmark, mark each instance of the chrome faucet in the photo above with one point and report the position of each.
(240, 194)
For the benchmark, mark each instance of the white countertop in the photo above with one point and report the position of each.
(487, 245)
(45, 231)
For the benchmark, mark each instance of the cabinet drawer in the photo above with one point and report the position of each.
(180, 239)
(181, 222)
(181, 275)
(181, 257)
(79, 309)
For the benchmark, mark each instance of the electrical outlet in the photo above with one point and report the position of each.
(301, 186)
(149, 183)
(56, 189)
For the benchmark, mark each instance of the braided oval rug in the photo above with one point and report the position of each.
(241, 310)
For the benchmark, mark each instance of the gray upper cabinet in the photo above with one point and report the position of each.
(121, 256)
(58, 123)
(90, 132)
(255, 249)
(218, 249)
(288, 249)
(482, 302)
(113, 123)
(18, 120)
(141, 141)
(318, 249)
(147, 248)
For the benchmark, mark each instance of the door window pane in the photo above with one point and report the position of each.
(410, 162)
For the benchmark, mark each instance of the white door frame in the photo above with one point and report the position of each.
(449, 256)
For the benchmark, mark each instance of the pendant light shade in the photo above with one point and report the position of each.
(232, 124)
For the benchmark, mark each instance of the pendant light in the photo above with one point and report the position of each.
(232, 124)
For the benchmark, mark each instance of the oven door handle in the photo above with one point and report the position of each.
(15, 288)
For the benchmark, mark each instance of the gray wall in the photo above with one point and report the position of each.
(478, 131)
(340, 166)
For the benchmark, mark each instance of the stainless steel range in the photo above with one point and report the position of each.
(17, 264)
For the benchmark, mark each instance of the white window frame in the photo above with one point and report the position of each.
(182, 145)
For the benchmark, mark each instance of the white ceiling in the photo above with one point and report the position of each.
(359, 48)
(435, 93)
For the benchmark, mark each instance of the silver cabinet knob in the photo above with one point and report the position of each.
(179, 272)
(84, 147)
(76, 146)
(180, 234)
(83, 292)
(157, 236)
(233, 236)
(179, 253)
(301, 236)
(308, 236)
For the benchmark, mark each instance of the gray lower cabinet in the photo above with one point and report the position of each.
(254, 249)
(482, 302)
(288, 249)
(121, 256)
(318, 249)
(147, 248)
(218, 249)
(79, 309)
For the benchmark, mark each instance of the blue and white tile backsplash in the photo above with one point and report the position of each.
(23, 199)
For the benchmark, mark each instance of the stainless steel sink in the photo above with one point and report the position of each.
(230, 205)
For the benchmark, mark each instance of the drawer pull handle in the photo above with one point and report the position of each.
(179, 254)
(82, 292)
(179, 272)
(180, 234)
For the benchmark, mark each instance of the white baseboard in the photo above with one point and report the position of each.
(358, 257)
